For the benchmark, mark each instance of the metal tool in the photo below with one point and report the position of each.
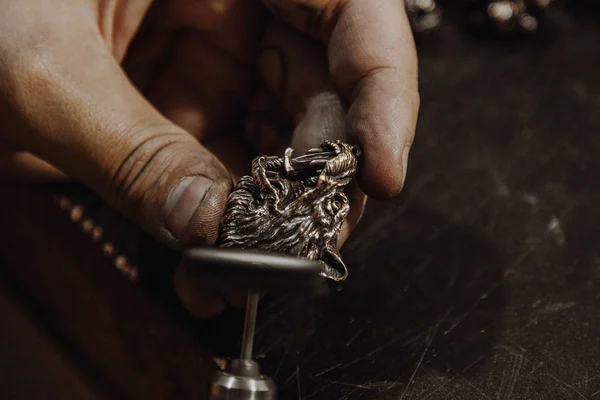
(243, 379)
(256, 272)
(278, 234)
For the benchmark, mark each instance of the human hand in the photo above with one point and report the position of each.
(161, 144)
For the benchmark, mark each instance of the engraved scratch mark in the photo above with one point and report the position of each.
(353, 338)
(584, 382)
(302, 364)
(458, 321)
(506, 389)
(293, 375)
(313, 394)
(353, 385)
(378, 229)
(381, 348)
(534, 369)
(465, 369)
(428, 259)
(328, 370)
(565, 384)
(452, 281)
(347, 395)
(388, 386)
(383, 387)
(527, 325)
(439, 387)
(272, 318)
(298, 380)
(557, 307)
(331, 383)
(280, 364)
(465, 380)
(595, 393)
(432, 335)
(461, 376)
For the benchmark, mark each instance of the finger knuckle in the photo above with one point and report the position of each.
(137, 168)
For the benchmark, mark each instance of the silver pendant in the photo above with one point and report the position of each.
(294, 205)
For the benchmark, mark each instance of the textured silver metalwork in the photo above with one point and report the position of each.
(424, 15)
(294, 205)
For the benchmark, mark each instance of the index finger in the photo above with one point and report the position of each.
(373, 63)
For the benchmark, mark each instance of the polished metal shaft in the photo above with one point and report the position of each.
(249, 326)
(243, 381)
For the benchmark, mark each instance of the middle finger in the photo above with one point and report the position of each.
(294, 68)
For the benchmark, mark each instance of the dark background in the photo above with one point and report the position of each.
(481, 281)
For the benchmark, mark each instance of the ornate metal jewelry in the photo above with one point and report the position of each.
(294, 205)
(509, 15)
(424, 15)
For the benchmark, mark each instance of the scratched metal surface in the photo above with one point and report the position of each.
(482, 281)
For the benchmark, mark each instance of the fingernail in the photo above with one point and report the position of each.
(183, 201)
(405, 163)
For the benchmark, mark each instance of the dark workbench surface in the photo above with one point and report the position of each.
(481, 281)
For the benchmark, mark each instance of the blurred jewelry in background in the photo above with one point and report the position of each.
(508, 16)
(499, 17)
(425, 15)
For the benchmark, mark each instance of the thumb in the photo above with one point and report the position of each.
(90, 122)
